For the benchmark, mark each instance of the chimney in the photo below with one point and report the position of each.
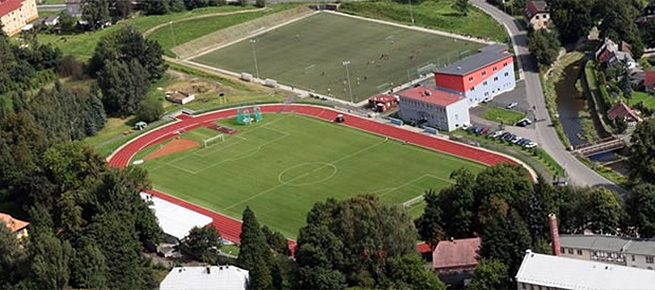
(554, 234)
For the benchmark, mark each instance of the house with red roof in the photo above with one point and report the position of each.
(16, 14)
(649, 82)
(537, 14)
(479, 77)
(455, 260)
(622, 112)
(15, 225)
(434, 108)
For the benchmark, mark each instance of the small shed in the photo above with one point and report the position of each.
(180, 97)
(383, 103)
(621, 111)
(140, 125)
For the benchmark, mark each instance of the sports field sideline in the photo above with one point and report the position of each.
(310, 54)
(283, 165)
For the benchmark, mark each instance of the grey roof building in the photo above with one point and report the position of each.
(610, 249)
(486, 56)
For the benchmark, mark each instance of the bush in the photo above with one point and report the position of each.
(651, 60)
(150, 110)
(70, 67)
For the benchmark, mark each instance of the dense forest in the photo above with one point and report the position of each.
(89, 226)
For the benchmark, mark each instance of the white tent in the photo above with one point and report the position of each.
(175, 220)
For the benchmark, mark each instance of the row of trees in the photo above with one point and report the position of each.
(99, 12)
(358, 242)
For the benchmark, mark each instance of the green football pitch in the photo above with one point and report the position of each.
(310, 54)
(283, 165)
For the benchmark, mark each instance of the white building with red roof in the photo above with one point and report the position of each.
(537, 14)
(15, 14)
(434, 108)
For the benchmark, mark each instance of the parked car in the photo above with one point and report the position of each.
(483, 131)
(504, 135)
(497, 134)
(521, 123)
(517, 139)
(530, 145)
(509, 137)
(512, 106)
(524, 142)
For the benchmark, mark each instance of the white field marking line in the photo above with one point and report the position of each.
(211, 149)
(391, 189)
(334, 172)
(447, 155)
(296, 178)
(244, 155)
(180, 168)
(411, 202)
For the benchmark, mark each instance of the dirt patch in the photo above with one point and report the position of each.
(193, 85)
(177, 145)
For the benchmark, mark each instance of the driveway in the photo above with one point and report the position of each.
(545, 135)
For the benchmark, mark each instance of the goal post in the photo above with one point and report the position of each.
(209, 140)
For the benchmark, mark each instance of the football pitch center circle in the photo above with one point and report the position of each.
(308, 173)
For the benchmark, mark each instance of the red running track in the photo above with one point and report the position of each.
(230, 228)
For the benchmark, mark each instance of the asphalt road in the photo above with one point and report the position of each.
(546, 136)
(51, 7)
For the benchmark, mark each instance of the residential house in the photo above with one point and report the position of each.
(537, 15)
(16, 14)
(224, 277)
(455, 260)
(51, 20)
(479, 77)
(434, 108)
(646, 13)
(649, 82)
(611, 53)
(546, 272)
(621, 111)
(15, 225)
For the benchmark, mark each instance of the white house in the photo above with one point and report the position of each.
(206, 278)
(434, 108)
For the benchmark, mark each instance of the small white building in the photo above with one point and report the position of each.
(180, 97)
(434, 108)
(176, 221)
(540, 271)
(206, 278)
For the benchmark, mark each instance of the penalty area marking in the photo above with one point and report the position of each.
(292, 180)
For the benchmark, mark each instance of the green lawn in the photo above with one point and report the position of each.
(283, 165)
(649, 100)
(432, 14)
(309, 54)
(508, 117)
(82, 45)
(185, 31)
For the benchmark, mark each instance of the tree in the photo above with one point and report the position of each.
(260, 3)
(354, 237)
(642, 153)
(640, 207)
(572, 209)
(544, 45)
(89, 268)
(409, 272)
(573, 18)
(457, 205)
(176, 5)
(123, 87)
(489, 274)
(154, 7)
(429, 225)
(506, 183)
(621, 126)
(11, 257)
(243, 3)
(605, 211)
(462, 6)
(150, 110)
(66, 21)
(254, 254)
(505, 237)
(540, 204)
(50, 259)
(647, 31)
(96, 12)
(203, 242)
(276, 241)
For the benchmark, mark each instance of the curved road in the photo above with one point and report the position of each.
(546, 136)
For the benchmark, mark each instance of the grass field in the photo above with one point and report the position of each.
(283, 165)
(508, 117)
(309, 54)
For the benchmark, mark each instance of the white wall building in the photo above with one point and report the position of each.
(610, 249)
(546, 272)
(435, 108)
(206, 278)
(176, 221)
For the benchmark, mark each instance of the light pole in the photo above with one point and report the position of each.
(350, 88)
(411, 12)
(254, 55)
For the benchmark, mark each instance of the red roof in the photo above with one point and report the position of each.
(456, 253)
(7, 6)
(535, 7)
(383, 99)
(423, 248)
(621, 110)
(432, 96)
(649, 80)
